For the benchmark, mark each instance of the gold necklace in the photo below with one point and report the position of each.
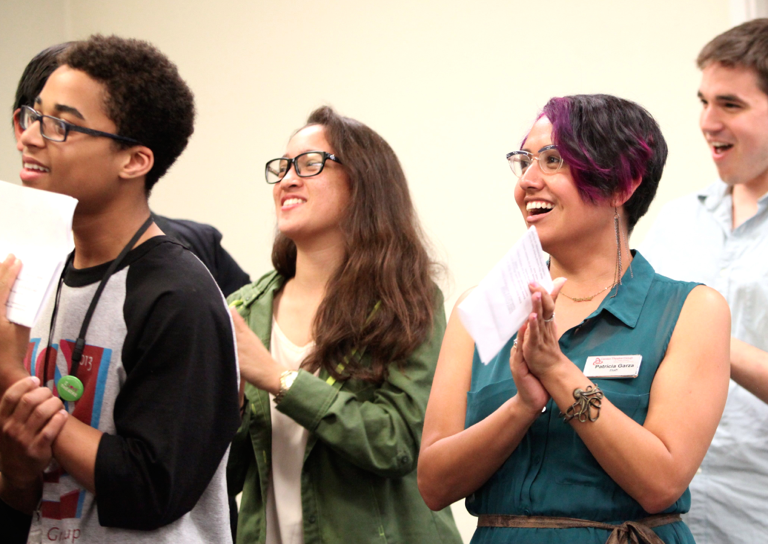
(587, 299)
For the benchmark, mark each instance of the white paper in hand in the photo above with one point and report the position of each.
(500, 304)
(36, 226)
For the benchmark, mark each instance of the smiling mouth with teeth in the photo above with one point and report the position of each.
(30, 166)
(293, 202)
(538, 207)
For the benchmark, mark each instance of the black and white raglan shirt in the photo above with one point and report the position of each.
(160, 376)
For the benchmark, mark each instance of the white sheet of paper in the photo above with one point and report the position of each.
(500, 304)
(36, 226)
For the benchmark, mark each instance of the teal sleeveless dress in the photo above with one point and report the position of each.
(552, 473)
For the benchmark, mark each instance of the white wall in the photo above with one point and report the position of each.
(29, 27)
(744, 10)
(451, 85)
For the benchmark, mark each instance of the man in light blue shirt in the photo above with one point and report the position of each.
(719, 236)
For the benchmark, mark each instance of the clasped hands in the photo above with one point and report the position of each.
(536, 350)
(30, 416)
(30, 421)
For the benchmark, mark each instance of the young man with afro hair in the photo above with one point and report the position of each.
(118, 407)
(204, 240)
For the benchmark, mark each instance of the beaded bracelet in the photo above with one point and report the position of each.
(586, 402)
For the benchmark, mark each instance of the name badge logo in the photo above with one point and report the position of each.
(613, 366)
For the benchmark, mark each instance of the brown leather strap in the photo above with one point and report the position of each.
(629, 532)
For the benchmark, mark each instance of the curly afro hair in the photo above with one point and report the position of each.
(145, 95)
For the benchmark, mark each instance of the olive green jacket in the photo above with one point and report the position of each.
(358, 482)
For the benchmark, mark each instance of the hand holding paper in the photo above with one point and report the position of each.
(500, 304)
(35, 226)
(13, 338)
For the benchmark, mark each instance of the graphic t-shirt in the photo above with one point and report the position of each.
(160, 375)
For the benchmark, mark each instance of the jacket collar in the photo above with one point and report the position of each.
(254, 302)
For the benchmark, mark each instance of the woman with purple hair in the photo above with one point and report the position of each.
(590, 423)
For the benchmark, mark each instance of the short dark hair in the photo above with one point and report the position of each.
(36, 74)
(745, 45)
(609, 142)
(145, 95)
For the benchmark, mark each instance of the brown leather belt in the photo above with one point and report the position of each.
(629, 532)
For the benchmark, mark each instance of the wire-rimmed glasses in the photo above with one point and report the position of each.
(549, 159)
(57, 130)
(306, 164)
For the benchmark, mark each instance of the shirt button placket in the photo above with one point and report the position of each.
(537, 458)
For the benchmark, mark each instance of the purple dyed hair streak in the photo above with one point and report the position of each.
(608, 143)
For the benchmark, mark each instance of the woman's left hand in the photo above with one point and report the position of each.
(257, 366)
(540, 348)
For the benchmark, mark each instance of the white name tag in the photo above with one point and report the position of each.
(613, 366)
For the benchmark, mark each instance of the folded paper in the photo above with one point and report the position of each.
(500, 304)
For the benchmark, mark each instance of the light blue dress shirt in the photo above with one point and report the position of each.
(693, 239)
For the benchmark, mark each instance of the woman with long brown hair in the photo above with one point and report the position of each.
(338, 346)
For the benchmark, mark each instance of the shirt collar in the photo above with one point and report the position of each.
(630, 298)
(715, 195)
(717, 199)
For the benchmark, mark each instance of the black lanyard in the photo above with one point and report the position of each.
(77, 353)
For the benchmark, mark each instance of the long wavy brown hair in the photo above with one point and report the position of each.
(386, 262)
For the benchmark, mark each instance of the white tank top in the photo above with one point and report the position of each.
(289, 441)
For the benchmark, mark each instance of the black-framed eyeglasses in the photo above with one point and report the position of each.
(57, 130)
(549, 159)
(306, 165)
